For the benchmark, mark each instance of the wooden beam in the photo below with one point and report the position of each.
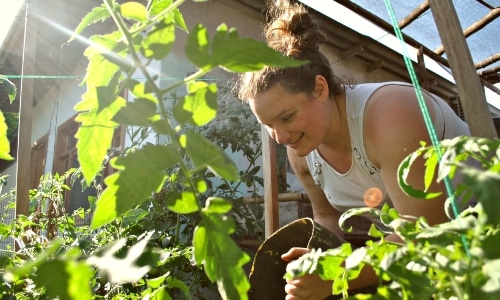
(269, 170)
(422, 70)
(490, 71)
(414, 14)
(388, 27)
(375, 65)
(490, 60)
(23, 166)
(492, 15)
(353, 51)
(282, 197)
(470, 90)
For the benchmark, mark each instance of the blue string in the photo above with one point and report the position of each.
(425, 112)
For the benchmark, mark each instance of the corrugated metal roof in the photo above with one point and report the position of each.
(482, 44)
(478, 18)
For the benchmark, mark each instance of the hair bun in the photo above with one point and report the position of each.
(292, 30)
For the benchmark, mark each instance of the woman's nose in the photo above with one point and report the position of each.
(278, 134)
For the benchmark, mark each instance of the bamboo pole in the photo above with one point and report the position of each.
(414, 14)
(469, 87)
(282, 197)
(23, 166)
(490, 17)
(269, 170)
(488, 61)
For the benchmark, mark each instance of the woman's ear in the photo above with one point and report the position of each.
(321, 90)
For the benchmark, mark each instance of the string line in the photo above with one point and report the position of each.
(425, 112)
(80, 77)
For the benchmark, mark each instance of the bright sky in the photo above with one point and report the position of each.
(345, 16)
(9, 11)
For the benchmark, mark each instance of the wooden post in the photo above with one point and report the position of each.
(470, 89)
(269, 170)
(25, 113)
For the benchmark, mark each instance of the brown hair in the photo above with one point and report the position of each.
(295, 33)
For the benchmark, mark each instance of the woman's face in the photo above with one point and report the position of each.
(299, 121)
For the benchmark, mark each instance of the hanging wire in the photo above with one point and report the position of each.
(81, 77)
(425, 112)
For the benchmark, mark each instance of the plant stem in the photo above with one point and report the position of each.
(156, 18)
(458, 291)
(157, 91)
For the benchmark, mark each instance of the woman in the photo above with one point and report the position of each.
(342, 141)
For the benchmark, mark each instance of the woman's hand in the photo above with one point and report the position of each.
(308, 287)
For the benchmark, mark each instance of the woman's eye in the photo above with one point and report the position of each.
(287, 118)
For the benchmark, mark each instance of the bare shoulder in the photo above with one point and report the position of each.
(391, 99)
(394, 128)
(393, 123)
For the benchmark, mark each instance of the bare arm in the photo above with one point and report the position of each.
(323, 212)
(327, 216)
(394, 127)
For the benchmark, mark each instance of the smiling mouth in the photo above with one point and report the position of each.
(297, 139)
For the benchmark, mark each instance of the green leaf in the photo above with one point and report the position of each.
(95, 137)
(134, 10)
(373, 231)
(356, 258)
(141, 112)
(492, 270)
(9, 87)
(198, 107)
(485, 185)
(218, 205)
(404, 170)
(104, 55)
(98, 105)
(140, 174)
(159, 6)
(356, 212)
(490, 245)
(222, 258)
(231, 52)
(4, 141)
(156, 282)
(97, 14)
(179, 284)
(197, 47)
(179, 20)
(14, 274)
(159, 41)
(331, 262)
(182, 202)
(200, 185)
(243, 54)
(205, 154)
(430, 167)
(123, 269)
(133, 216)
(65, 279)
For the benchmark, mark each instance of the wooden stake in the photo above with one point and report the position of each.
(469, 87)
(26, 113)
(269, 170)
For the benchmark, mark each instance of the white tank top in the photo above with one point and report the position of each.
(346, 191)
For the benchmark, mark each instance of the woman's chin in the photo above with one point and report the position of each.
(300, 151)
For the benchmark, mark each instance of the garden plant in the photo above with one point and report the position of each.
(160, 209)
